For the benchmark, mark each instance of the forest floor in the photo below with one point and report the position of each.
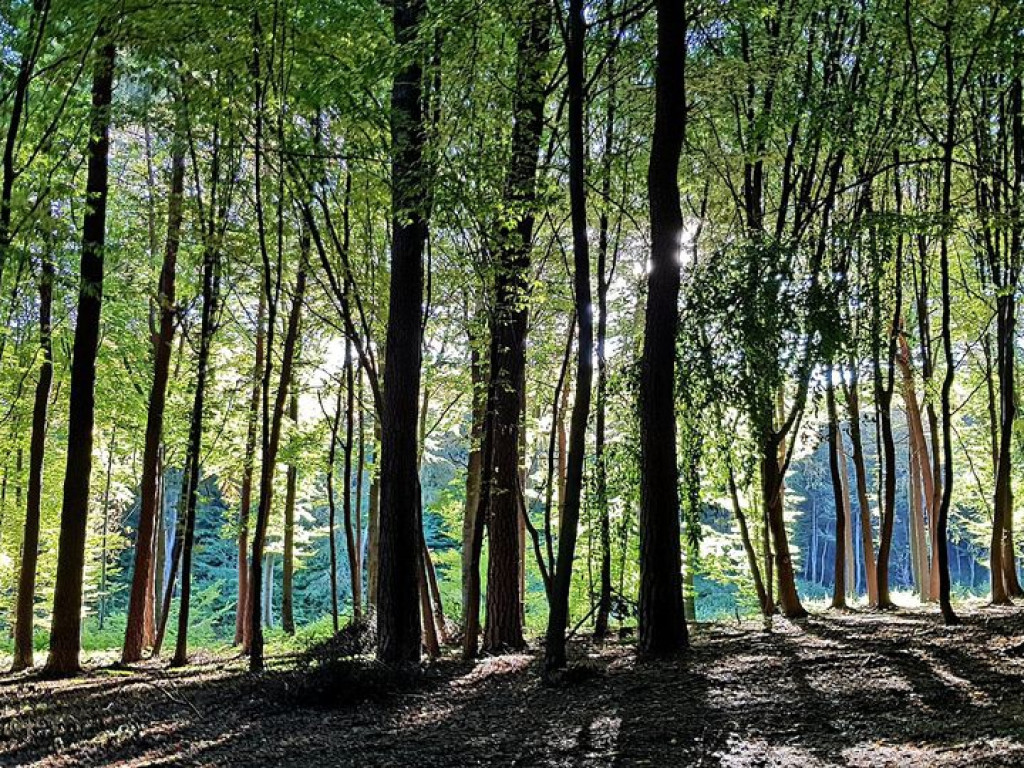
(858, 689)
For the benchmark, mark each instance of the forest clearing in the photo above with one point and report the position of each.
(853, 689)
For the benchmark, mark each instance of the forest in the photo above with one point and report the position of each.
(376, 375)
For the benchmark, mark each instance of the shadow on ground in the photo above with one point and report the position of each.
(862, 689)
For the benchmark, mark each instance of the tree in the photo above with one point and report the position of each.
(140, 602)
(398, 613)
(24, 621)
(502, 500)
(561, 582)
(65, 640)
(662, 619)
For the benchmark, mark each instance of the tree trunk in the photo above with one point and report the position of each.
(923, 465)
(267, 598)
(1003, 574)
(65, 640)
(473, 475)
(948, 142)
(850, 558)
(604, 600)
(271, 443)
(561, 583)
(662, 618)
(332, 507)
(860, 471)
(23, 629)
(354, 566)
(398, 612)
(141, 598)
(504, 498)
(211, 299)
(360, 470)
(748, 545)
(288, 561)
(160, 555)
(1007, 340)
(101, 610)
(918, 544)
(242, 622)
(773, 495)
(834, 452)
(373, 521)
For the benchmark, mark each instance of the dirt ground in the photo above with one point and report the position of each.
(858, 689)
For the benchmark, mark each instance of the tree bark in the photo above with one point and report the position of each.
(474, 470)
(398, 612)
(242, 622)
(268, 464)
(332, 507)
(25, 611)
(1002, 564)
(208, 323)
(141, 598)
(834, 452)
(923, 467)
(948, 141)
(861, 474)
(507, 365)
(288, 561)
(354, 564)
(65, 640)
(662, 619)
(561, 582)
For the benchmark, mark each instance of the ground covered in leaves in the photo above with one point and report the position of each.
(858, 689)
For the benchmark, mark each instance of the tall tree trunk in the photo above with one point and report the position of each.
(503, 495)
(176, 548)
(373, 521)
(242, 622)
(773, 490)
(65, 640)
(288, 560)
(1002, 566)
(1007, 340)
(918, 543)
(208, 322)
(923, 466)
(101, 609)
(156, 583)
(268, 460)
(332, 507)
(748, 545)
(561, 583)
(834, 452)
(850, 558)
(141, 598)
(360, 471)
(861, 474)
(354, 566)
(946, 392)
(604, 600)
(662, 618)
(398, 612)
(25, 612)
(473, 476)
(267, 599)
